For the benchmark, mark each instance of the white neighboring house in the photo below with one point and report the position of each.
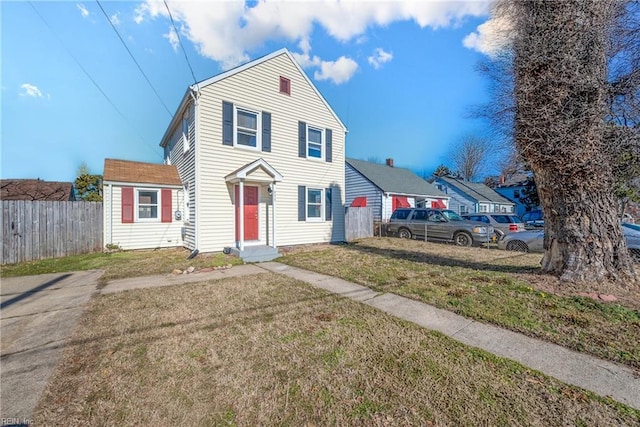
(384, 188)
(142, 205)
(260, 158)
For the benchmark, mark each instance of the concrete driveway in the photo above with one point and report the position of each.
(38, 316)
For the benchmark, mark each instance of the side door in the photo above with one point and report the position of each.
(437, 226)
(418, 221)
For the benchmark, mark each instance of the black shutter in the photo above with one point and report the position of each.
(302, 203)
(328, 209)
(329, 143)
(302, 139)
(227, 123)
(266, 132)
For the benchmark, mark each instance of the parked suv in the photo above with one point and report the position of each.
(438, 224)
(533, 219)
(502, 223)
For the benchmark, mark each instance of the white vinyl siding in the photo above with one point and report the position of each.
(359, 186)
(258, 87)
(144, 234)
(185, 163)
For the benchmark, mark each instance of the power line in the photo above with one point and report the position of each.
(89, 76)
(180, 41)
(133, 58)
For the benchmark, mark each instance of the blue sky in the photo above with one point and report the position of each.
(401, 75)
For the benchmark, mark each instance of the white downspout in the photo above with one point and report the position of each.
(196, 182)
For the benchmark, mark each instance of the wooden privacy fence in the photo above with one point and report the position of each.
(358, 223)
(33, 230)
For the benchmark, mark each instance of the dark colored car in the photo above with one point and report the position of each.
(533, 219)
(440, 225)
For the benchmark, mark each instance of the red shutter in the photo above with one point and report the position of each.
(166, 205)
(127, 205)
(359, 202)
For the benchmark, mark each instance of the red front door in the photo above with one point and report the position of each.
(250, 213)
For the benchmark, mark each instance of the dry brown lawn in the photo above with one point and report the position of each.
(489, 285)
(269, 350)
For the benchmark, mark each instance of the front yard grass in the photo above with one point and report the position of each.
(491, 286)
(269, 350)
(120, 265)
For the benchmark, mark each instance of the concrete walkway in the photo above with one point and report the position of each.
(599, 376)
(38, 316)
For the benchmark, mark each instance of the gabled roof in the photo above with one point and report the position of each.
(242, 172)
(140, 173)
(475, 190)
(197, 86)
(395, 180)
(515, 180)
(36, 189)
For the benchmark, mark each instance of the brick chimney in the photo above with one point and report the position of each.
(390, 162)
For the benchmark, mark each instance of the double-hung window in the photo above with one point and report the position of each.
(247, 125)
(147, 201)
(314, 143)
(314, 203)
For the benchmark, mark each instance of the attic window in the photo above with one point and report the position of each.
(285, 85)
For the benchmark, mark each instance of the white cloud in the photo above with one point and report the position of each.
(83, 10)
(31, 90)
(115, 18)
(379, 57)
(490, 37)
(339, 71)
(226, 32)
(172, 36)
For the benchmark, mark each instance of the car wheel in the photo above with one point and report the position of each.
(462, 239)
(404, 233)
(518, 246)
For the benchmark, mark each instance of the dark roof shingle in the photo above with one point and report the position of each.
(140, 173)
(476, 190)
(395, 180)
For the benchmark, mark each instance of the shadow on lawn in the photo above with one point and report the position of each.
(442, 260)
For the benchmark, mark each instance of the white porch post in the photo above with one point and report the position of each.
(273, 217)
(241, 215)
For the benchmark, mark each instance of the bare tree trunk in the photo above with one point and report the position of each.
(560, 70)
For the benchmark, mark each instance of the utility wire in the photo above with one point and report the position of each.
(134, 59)
(180, 41)
(89, 76)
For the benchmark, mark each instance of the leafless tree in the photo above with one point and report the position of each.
(470, 155)
(560, 59)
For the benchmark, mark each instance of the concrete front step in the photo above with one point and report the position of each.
(260, 253)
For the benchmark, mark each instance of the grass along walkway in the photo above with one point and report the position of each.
(491, 286)
(120, 265)
(268, 350)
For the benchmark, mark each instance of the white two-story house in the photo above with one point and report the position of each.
(260, 156)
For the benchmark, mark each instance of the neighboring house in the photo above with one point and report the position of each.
(142, 204)
(36, 189)
(385, 188)
(512, 189)
(260, 156)
(470, 197)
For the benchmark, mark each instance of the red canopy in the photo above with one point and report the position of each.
(359, 202)
(438, 204)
